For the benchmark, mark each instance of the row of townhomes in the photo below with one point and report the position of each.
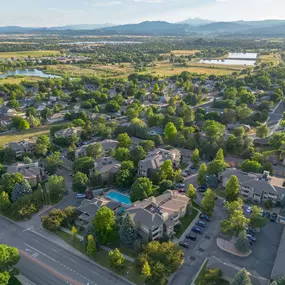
(256, 187)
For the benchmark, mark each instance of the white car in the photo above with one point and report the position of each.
(248, 210)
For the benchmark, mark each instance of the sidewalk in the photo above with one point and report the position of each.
(24, 280)
(101, 246)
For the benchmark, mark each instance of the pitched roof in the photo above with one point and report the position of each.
(278, 267)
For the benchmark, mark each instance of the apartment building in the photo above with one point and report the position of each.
(156, 158)
(156, 217)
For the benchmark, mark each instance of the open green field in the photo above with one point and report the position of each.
(275, 58)
(18, 79)
(168, 69)
(33, 53)
(17, 136)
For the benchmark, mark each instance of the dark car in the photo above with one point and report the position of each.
(201, 224)
(273, 217)
(191, 236)
(267, 215)
(184, 244)
(196, 230)
(250, 231)
(204, 217)
(202, 188)
(251, 238)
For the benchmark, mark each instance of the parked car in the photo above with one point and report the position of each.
(184, 244)
(273, 217)
(196, 230)
(267, 215)
(202, 188)
(80, 196)
(201, 224)
(250, 231)
(204, 217)
(180, 185)
(191, 236)
(248, 210)
(224, 202)
(251, 237)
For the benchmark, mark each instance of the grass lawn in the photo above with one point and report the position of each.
(274, 58)
(131, 271)
(32, 53)
(196, 205)
(14, 281)
(185, 222)
(201, 277)
(127, 251)
(18, 79)
(17, 136)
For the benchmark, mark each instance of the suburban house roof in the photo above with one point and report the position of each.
(109, 144)
(28, 170)
(68, 132)
(154, 211)
(107, 164)
(230, 270)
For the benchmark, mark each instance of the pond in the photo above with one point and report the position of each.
(234, 58)
(229, 61)
(28, 72)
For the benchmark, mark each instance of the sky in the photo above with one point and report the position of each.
(50, 13)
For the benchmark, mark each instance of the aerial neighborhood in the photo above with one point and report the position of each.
(154, 158)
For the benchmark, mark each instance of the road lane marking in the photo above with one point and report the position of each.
(39, 252)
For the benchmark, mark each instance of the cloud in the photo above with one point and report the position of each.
(106, 3)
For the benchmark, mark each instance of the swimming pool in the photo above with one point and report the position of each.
(124, 199)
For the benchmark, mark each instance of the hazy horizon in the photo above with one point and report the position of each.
(53, 13)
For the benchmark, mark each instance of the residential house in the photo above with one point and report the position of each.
(24, 146)
(106, 168)
(89, 208)
(56, 118)
(33, 173)
(256, 187)
(156, 217)
(68, 133)
(230, 270)
(234, 126)
(186, 155)
(5, 121)
(156, 158)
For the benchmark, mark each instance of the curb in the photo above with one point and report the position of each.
(231, 252)
(83, 256)
(200, 269)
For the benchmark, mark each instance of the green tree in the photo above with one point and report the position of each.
(124, 140)
(256, 220)
(166, 171)
(122, 154)
(94, 150)
(214, 129)
(146, 271)
(83, 164)
(232, 189)
(124, 178)
(116, 259)
(262, 131)
(195, 159)
(191, 192)
(128, 232)
(91, 248)
(137, 154)
(9, 257)
(141, 189)
(53, 220)
(104, 224)
(212, 277)
(242, 243)
(5, 202)
(241, 278)
(170, 131)
(202, 174)
(56, 187)
(74, 231)
(218, 164)
(80, 182)
(53, 162)
(43, 145)
(112, 106)
(8, 181)
(251, 166)
(208, 202)
(148, 145)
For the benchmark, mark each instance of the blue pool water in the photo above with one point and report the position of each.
(119, 197)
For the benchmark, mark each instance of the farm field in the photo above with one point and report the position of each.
(18, 79)
(32, 53)
(274, 58)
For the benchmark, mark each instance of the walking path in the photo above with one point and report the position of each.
(81, 238)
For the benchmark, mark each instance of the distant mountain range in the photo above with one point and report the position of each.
(195, 26)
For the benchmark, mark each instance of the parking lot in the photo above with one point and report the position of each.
(261, 260)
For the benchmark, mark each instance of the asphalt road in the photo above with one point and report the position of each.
(46, 263)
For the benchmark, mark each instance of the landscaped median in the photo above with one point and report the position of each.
(231, 248)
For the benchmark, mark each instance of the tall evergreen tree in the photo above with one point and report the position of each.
(128, 232)
(241, 278)
(91, 246)
(232, 189)
(202, 174)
